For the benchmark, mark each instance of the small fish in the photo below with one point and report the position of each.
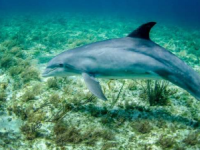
(133, 57)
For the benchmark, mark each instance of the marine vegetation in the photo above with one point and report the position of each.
(142, 126)
(28, 95)
(157, 92)
(52, 83)
(68, 134)
(30, 130)
(166, 142)
(2, 95)
(30, 74)
(192, 138)
(7, 61)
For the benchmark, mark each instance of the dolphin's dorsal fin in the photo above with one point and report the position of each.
(143, 31)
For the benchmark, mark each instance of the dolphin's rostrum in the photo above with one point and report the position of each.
(134, 56)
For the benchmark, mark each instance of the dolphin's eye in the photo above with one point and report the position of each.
(60, 65)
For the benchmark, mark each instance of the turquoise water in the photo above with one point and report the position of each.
(60, 112)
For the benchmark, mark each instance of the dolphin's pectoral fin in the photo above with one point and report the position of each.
(143, 31)
(94, 86)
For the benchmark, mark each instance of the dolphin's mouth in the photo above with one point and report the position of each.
(47, 72)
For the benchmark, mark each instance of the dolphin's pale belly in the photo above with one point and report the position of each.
(128, 75)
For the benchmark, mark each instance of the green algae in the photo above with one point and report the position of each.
(28, 95)
(30, 74)
(3, 96)
(30, 131)
(143, 126)
(68, 134)
(157, 92)
(166, 142)
(52, 83)
(7, 61)
(192, 139)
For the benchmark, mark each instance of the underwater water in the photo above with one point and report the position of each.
(60, 112)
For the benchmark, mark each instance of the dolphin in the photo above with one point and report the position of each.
(130, 57)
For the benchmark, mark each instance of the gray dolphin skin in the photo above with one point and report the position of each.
(134, 56)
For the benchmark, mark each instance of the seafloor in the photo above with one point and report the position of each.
(60, 113)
